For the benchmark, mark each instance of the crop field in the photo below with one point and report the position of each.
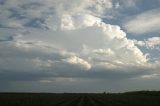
(142, 98)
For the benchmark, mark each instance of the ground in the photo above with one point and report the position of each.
(141, 98)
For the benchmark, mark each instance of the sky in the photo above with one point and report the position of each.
(79, 45)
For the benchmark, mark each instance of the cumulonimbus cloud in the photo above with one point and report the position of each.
(60, 35)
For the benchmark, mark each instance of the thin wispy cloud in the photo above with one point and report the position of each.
(145, 22)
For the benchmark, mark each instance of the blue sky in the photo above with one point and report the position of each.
(79, 45)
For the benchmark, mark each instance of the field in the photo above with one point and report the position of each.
(141, 98)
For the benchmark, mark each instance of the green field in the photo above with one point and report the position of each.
(141, 98)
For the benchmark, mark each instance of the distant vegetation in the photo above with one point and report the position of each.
(138, 98)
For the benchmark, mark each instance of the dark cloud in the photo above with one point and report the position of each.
(12, 76)
(2, 2)
(69, 72)
(9, 38)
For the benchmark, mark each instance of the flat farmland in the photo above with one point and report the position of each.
(141, 98)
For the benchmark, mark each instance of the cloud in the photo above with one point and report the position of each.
(73, 25)
(148, 21)
(154, 41)
(123, 5)
(59, 40)
(108, 52)
(78, 61)
(44, 14)
(149, 43)
(32, 57)
(128, 3)
(150, 76)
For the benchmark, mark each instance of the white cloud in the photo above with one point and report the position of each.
(70, 37)
(123, 4)
(44, 14)
(108, 52)
(40, 63)
(45, 81)
(69, 22)
(149, 43)
(143, 23)
(150, 76)
(117, 5)
(78, 61)
(154, 41)
(139, 43)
